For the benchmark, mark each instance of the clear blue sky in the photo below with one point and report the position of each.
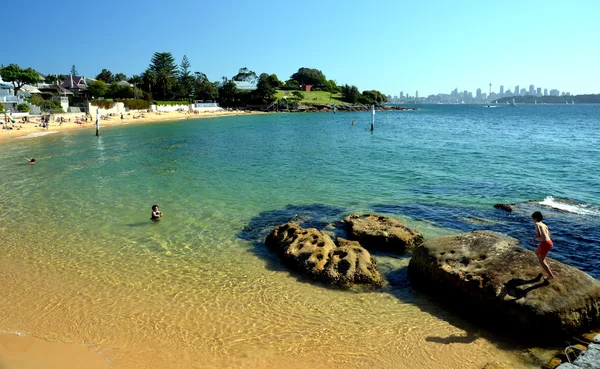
(389, 45)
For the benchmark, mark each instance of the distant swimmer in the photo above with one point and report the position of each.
(352, 122)
(542, 232)
(31, 161)
(156, 214)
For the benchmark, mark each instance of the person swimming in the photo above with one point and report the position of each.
(31, 161)
(156, 214)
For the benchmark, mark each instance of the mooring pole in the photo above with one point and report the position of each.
(373, 120)
(97, 122)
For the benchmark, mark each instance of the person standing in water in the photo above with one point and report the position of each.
(156, 214)
(542, 232)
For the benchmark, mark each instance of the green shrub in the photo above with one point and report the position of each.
(171, 103)
(23, 108)
(136, 104)
(103, 104)
(1, 108)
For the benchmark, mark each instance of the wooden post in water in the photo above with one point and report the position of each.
(97, 122)
(373, 120)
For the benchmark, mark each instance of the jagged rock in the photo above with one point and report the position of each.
(313, 253)
(378, 232)
(496, 282)
(506, 207)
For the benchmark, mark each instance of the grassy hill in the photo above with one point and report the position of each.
(314, 97)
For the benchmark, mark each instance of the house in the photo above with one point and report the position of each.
(77, 85)
(242, 85)
(8, 98)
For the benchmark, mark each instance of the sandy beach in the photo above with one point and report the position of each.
(23, 352)
(34, 128)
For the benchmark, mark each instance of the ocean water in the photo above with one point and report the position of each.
(82, 263)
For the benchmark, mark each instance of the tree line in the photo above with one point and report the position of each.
(165, 80)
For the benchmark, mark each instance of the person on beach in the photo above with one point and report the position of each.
(542, 232)
(31, 161)
(156, 214)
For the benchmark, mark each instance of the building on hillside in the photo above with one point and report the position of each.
(241, 85)
(306, 88)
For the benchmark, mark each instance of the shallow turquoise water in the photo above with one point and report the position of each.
(84, 209)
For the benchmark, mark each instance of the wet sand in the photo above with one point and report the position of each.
(22, 352)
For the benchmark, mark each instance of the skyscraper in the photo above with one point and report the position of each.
(531, 90)
(501, 90)
(538, 92)
(517, 91)
(478, 94)
(417, 94)
(545, 92)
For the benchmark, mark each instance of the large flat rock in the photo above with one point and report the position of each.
(378, 232)
(500, 283)
(314, 254)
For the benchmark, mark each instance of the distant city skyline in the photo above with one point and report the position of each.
(424, 46)
(480, 95)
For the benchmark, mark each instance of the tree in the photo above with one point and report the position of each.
(74, 71)
(186, 80)
(298, 95)
(374, 97)
(350, 94)
(227, 94)
(309, 76)
(332, 87)
(265, 89)
(203, 88)
(118, 91)
(163, 66)
(1, 108)
(290, 85)
(105, 76)
(51, 78)
(98, 88)
(245, 75)
(120, 77)
(23, 107)
(19, 77)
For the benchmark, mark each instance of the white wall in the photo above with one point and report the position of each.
(117, 108)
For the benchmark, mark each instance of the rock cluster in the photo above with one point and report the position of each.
(377, 232)
(505, 207)
(500, 283)
(313, 253)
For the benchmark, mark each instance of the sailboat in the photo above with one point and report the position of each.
(513, 102)
(535, 102)
(572, 101)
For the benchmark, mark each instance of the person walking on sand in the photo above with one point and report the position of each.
(542, 232)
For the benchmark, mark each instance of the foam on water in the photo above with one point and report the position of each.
(570, 206)
(37, 134)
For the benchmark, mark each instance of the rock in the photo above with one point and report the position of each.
(313, 253)
(498, 283)
(378, 232)
(553, 363)
(567, 366)
(506, 207)
(590, 359)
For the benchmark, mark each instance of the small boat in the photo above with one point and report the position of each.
(572, 101)
(513, 102)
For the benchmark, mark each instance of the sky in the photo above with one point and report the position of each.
(389, 45)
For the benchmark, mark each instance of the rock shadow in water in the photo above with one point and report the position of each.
(320, 216)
